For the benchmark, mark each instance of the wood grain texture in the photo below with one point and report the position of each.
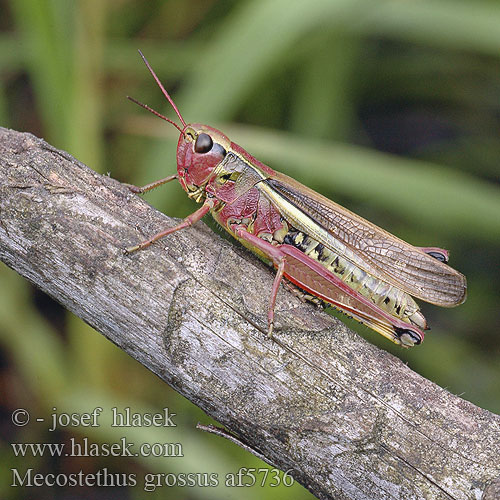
(352, 421)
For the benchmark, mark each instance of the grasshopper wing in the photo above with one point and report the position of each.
(367, 246)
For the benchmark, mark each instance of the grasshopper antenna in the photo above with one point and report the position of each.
(159, 115)
(165, 93)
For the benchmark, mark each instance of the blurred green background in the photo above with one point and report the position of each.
(390, 108)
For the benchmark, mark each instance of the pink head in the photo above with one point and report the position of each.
(199, 150)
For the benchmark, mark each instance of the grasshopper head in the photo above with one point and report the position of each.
(199, 150)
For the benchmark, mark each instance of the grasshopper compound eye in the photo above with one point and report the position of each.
(203, 144)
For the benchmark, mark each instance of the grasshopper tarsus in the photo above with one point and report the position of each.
(270, 331)
(134, 189)
(145, 244)
(129, 250)
(151, 185)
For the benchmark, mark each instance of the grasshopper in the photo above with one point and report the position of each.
(323, 249)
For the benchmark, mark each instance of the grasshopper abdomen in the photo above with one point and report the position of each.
(385, 296)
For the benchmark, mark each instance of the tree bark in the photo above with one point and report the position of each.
(351, 421)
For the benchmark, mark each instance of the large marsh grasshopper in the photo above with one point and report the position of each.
(322, 248)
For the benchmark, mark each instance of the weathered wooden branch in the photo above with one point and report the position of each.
(350, 420)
